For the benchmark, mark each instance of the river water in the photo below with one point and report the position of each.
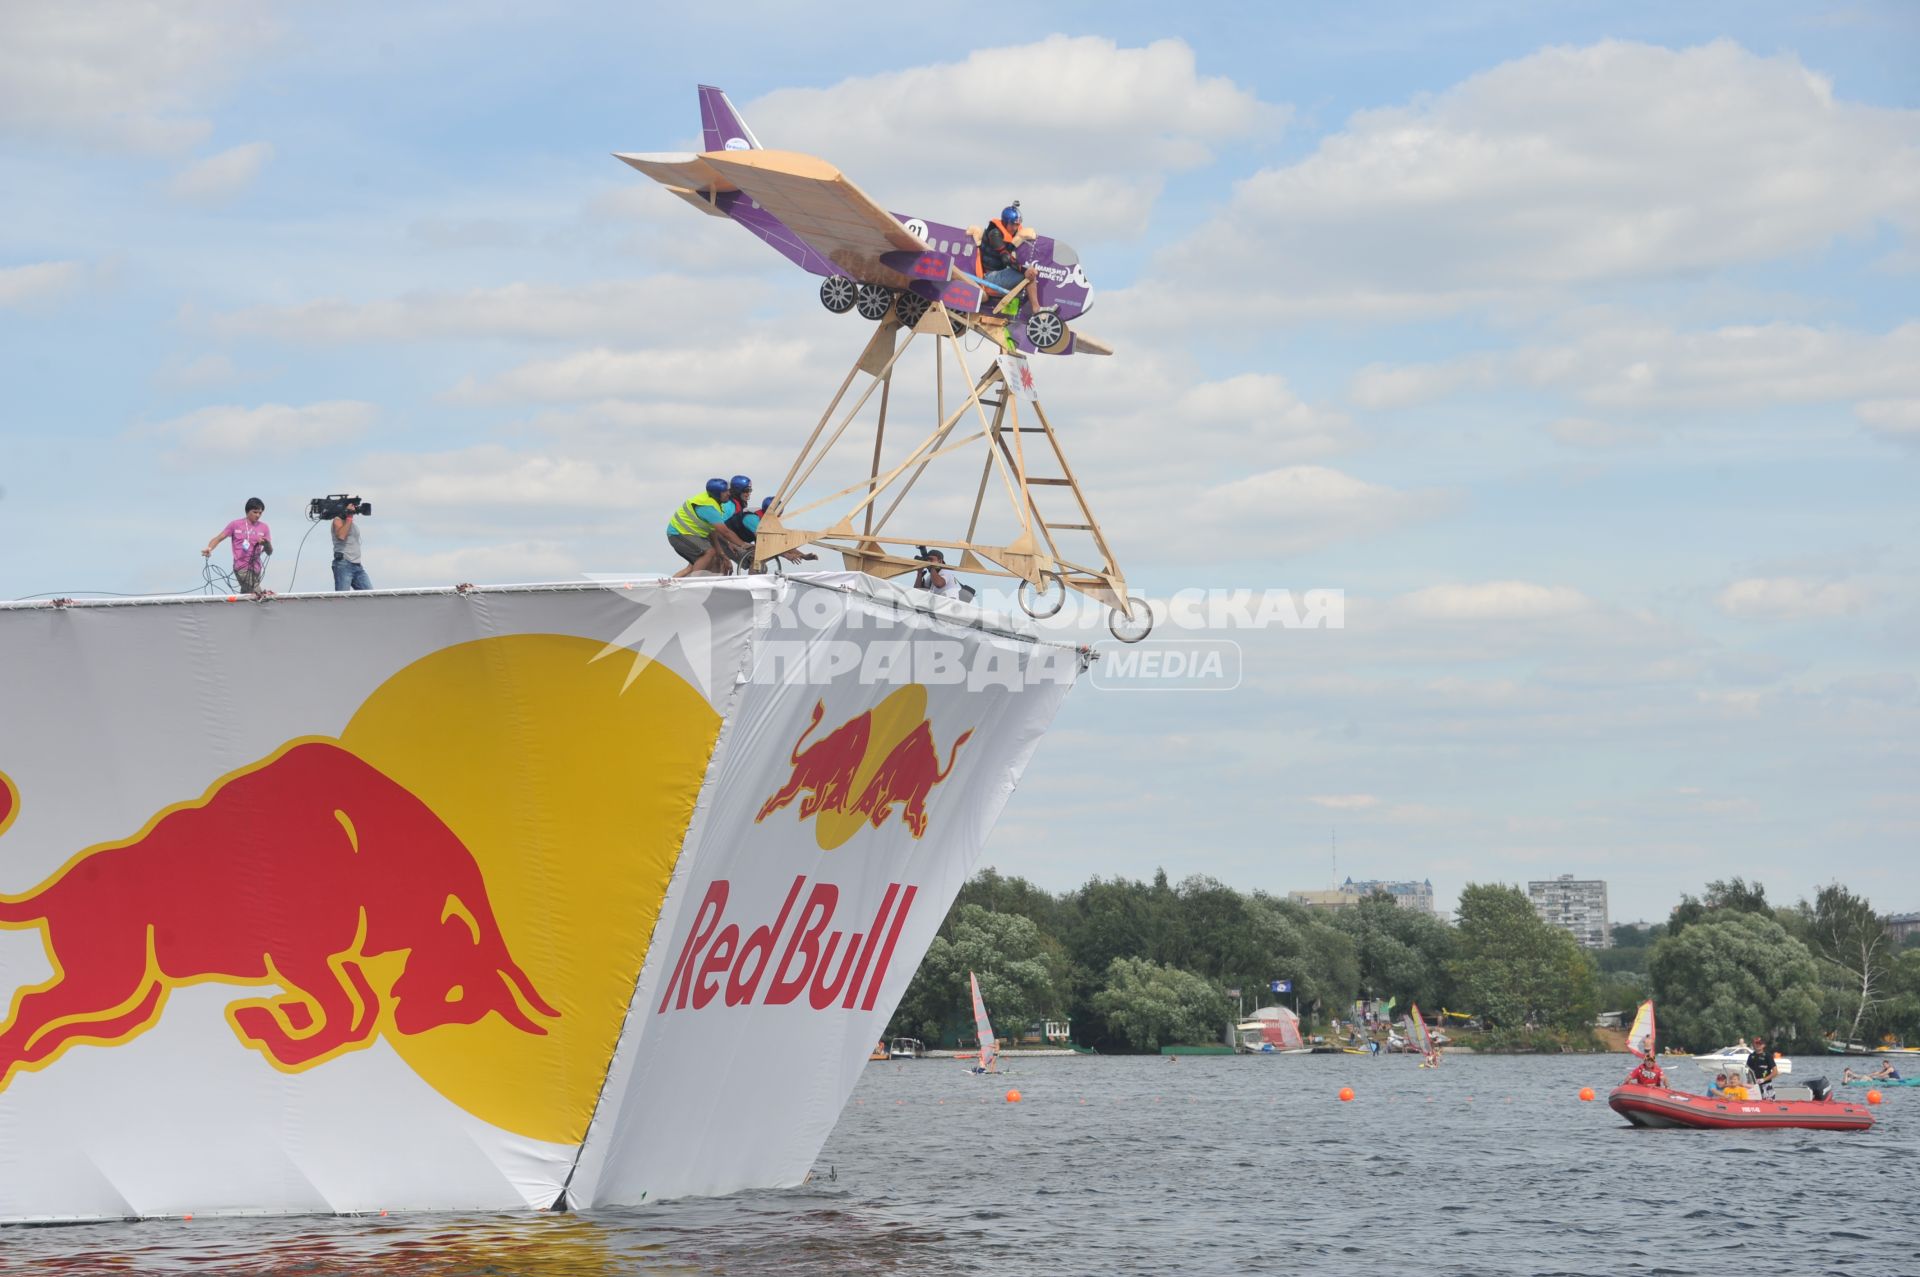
(1487, 1165)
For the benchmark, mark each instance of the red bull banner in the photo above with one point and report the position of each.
(455, 900)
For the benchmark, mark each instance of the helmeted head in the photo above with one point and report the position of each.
(716, 488)
(1011, 214)
(741, 483)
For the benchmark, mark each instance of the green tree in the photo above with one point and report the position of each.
(1856, 956)
(1731, 975)
(1402, 953)
(1512, 969)
(1147, 1005)
(1021, 977)
(1732, 895)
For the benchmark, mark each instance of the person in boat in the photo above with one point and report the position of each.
(1735, 1091)
(1761, 1066)
(1742, 1046)
(1884, 1073)
(1848, 1075)
(1648, 1073)
(1717, 1088)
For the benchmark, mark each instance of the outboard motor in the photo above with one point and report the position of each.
(1819, 1087)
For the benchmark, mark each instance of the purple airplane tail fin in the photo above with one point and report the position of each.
(723, 128)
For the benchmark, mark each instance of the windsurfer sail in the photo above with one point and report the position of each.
(1640, 1037)
(1421, 1039)
(989, 1046)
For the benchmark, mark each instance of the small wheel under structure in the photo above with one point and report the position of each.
(836, 294)
(1044, 330)
(873, 301)
(1045, 601)
(909, 307)
(1133, 624)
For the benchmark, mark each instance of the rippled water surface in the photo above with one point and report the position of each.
(1207, 1164)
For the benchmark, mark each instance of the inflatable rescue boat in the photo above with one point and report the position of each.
(1657, 1107)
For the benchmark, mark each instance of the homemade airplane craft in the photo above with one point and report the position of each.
(875, 263)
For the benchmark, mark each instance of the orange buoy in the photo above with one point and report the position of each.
(1586, 1094)
(1873, 1097)
(1346, 1095)
(1013, 1096)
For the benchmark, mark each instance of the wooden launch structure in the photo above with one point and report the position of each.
(1052, 545)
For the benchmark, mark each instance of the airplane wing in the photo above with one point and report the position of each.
(688, 176)
(831, 215)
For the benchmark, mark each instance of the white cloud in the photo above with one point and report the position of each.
(1494, 601)
(1642, 364)
(653, 307)
(1082, 130)
(121, 73)
(1565, 167)
(1584, 432)
(765, 366)
(491, 476)
(1288, 510)
(1788, 598)
(20, 285)
(1895, 419)
(207, 370)
(221, 177)
(233, 430)
(1345, 802)
(520, 561)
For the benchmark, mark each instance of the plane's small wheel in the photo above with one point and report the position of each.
(1045, 601)
(1133, 624)
(1045, 330)
(836, 294)
(909, 308)
(873, 301)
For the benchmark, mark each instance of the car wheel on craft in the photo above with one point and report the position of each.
(1044, 330)
(1133, 624)
(910, 308)
(836, 294)
(873, 301)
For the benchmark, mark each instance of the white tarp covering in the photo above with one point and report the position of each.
(406, 900)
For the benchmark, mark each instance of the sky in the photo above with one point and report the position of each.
(1577, 345)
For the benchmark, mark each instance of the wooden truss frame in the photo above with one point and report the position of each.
(1035, 556)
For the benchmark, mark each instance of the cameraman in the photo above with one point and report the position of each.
(348, 574)
(251, 539)
(936, 577)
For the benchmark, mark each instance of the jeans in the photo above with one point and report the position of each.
(1007, 278)
(350, 576)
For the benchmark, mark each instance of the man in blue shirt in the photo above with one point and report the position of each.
(699, 534)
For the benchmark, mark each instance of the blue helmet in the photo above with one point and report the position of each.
(716, 488)
(741, 483)
(1011, 213)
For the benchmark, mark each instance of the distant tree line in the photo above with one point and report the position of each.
(1138, 965)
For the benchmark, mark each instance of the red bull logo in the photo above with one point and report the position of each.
(312, 875)
(861, 770)
(717, 962)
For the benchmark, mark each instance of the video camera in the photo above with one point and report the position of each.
(334, 506)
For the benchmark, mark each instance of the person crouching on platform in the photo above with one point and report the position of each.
(698, 531)
(252, 539)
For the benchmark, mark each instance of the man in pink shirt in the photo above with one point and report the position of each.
(251, 540)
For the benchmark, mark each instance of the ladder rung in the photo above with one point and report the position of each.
(1051, 483)
(1071, 527)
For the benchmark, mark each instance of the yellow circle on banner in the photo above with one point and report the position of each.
(572, 791)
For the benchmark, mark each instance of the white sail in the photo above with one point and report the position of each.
(989, 1046)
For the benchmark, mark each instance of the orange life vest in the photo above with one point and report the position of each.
(1011, 238)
